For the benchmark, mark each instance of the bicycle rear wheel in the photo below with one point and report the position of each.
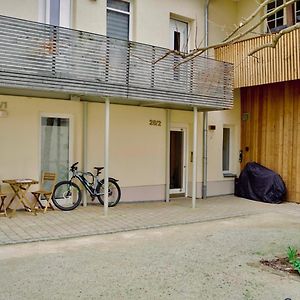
(114, 193)
(66, 195)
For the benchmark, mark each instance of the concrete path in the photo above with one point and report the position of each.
(25, 227)
(209, 260)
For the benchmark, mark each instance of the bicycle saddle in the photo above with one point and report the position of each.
(98, 168)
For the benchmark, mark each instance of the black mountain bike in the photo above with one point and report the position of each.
(67, 194)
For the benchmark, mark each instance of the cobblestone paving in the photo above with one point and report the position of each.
(85, 221)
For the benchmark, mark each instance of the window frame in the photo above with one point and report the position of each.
(232, 150)
(44, 12)
(276, 28)
(290, 14)
(187, 23)
(229, 150)
(71, 134)
(129, 13)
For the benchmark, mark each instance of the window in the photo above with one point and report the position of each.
(55, 12)
(55, 145)
(297, 11)
(285, 17)
(226, 149)
(178, 35)
(118, 19)
(276, 21)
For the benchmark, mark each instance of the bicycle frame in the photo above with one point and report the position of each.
(67, 194)
(91, 188)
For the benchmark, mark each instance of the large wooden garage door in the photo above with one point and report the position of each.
(270, 132)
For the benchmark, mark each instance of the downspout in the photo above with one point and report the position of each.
(205, 114)
(206, 24)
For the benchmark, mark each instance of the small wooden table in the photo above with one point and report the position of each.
(20, 188)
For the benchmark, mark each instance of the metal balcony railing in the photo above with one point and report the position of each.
(41, 57)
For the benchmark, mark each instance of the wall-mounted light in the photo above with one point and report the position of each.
(212, 127)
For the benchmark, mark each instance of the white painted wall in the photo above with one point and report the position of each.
(24, 9)
(20, 134)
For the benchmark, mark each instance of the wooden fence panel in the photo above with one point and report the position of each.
(272, 130)
(266, 66)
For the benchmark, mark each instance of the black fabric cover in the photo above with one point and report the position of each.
(259, 183)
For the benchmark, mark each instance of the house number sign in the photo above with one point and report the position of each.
(154, 123)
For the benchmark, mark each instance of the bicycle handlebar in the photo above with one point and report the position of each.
(74, 167)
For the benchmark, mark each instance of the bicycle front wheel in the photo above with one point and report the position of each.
(66, 195)
(114, 193)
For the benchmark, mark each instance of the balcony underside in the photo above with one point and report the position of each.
(48, 61)
(154, 103)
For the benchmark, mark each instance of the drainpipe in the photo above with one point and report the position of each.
(106, 154)
(205, 115)
(168, 118)
(206, 24)
(195, 140)
(84, 143)
(204, 161)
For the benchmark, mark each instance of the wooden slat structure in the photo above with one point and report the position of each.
(271, 130)
(266, 66)
(270, 109)
(39, 57)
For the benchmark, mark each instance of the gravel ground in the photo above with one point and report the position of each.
(209, 260)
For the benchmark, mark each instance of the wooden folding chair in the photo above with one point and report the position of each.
(2, 204)
(45, 193)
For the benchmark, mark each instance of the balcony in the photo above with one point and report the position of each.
(49, 61)
(266, 66)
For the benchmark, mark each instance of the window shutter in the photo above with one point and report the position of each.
(117, 25)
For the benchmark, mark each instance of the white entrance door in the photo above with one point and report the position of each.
(55, 145)
(178, 35)
(177, 160)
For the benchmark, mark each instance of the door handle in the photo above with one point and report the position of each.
(241, 156)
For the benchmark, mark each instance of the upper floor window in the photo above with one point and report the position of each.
(276, 21)
(297, 11)
(178, 35)
(56, 12)
(118, 19)
(284, 17)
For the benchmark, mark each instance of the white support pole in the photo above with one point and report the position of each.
(106, 156)
(195, 141)
(84, 142)
(168, 117)
(204, 163)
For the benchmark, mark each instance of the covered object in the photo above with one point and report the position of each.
(259, 183)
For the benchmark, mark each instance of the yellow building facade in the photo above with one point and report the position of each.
(41, 131)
